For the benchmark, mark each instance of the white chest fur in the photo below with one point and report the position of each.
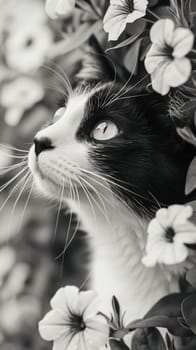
(118, 244)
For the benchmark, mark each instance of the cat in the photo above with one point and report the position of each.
(113, 156)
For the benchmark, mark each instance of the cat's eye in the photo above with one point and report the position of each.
(59, 113)
(105, 130)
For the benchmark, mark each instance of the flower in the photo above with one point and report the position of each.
(7, 260)
(59, 8)
(74, 322)
(165, 60)
(27, 48)
(168, 233)
(31, 11)
(18, 96)
(121, 12)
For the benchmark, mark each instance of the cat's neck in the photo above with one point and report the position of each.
(118, 242)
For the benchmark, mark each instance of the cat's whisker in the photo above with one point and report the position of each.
(68, 242)
(25, 179)
(6, 169)
(15, 165)
(118, 197)
(10, 147)
(26, 204)
(69, 224)
(121, 93)
(14, 156)
(12, 191)
(107, 180)
(87, 195)
(58, 211)
(61, 92)
(103, 211)
(66, 84)
(3, 187)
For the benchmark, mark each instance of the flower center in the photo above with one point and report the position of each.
(77, 323)
(129, 5)
(169, 51)
(169, 234)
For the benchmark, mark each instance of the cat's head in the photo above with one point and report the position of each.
(112, 136)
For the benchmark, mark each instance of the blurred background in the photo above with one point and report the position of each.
(33, 260)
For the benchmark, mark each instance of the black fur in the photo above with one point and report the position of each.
(147, 158)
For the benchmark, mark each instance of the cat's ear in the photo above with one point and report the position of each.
(95, 66)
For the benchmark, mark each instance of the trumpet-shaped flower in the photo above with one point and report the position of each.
(74, 322)
(18, 96)
(168, 233)
(27, 48)
(121, 12)
(165, 60)
(59, 8)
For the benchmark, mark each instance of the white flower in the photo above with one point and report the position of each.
(28, 11)
(121, 12)
(74, 323)
(18, 96)
(7, 259)
(27, 48)
(168, 233)
(166, 61)
(59, 8)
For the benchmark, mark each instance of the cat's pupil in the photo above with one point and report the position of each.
(105, 129)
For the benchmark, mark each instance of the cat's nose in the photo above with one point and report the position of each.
(42, 144)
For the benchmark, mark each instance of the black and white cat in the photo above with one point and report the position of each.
(112, 154)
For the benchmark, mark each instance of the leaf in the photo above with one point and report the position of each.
(189, 107)
(153, 3)
(164, 313)
(116, 310)
(163, 12)
(118, 345)
(191, 277)
(75, 40)
(187, 135)
(171, 323)
(126, 42)
(148, 339)
(131, 58)
(169, 342)
(189, 311)
(136, 27)
(191, 177)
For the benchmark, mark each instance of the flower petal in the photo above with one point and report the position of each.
(114, 22)
(159, 82)
(182, 42)
(52, 326)
(186, 234)
(154, 228)
(153, 250)
(97, 324)
(162, 31)
(133, 16)
(65, 8)
(149, 260)
(178, 72)
(183, 212)
(68, 342)
(154, 58)
(141, 5)
(65, 299)
(164, 218)
(85, 299)
(96, 333)
(174, 253)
